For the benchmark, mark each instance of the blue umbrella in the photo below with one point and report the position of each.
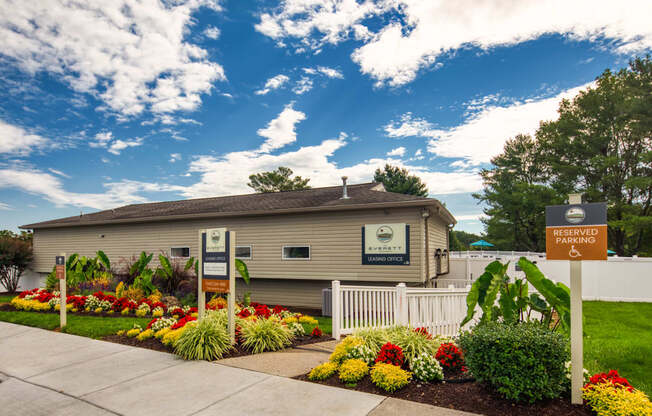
(482, 243)
(611, 252)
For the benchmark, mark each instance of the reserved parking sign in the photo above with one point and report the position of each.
(576, 232)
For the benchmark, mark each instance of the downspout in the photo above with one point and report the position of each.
(425, 214)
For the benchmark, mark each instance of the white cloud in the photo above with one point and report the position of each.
(428, 29)
(302, 86)
(281, 131)
(58, 172)
(483, 134)
(470, 217)
(17, 141)
(132, 55)
(330, 72)
(51, 188)
(175, 157)
(5, 207)
(119, 145)
(273, 83)
(212, 32)
(399, 151)
(115, 146)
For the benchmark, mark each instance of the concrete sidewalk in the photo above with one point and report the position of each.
(49, 373)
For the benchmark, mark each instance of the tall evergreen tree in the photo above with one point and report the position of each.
(399, 180)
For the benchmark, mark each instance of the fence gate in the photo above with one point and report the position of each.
(438, 310)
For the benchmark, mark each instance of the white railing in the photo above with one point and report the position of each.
(356, 307)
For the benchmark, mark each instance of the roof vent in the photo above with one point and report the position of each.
(344, 193)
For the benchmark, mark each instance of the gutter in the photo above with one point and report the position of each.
(441, 210)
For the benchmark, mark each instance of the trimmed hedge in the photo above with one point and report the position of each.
(522, 362)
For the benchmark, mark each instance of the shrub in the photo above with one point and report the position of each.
(363, 353)
(297, 329)
(353, 370)
(607, 399)
(204, 341)
(265, 335)
(146, 334)
(391, 354)
(15, 256)
(316, 332)
(389, 377)
(426, 368)
(450, 357)
(323, 371)
(522, 362)
(343, 348)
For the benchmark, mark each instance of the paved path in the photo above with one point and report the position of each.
(48, 373)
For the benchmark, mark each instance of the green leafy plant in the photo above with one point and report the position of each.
(265, 335)
(374, 338)
(208, 340)
(510, 302)
(144, 282)
(171, 273)
(413, 343)
(15, 256)
(522, 362)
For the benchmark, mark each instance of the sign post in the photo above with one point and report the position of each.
(60, 268)
(576, 232)
(217, 270)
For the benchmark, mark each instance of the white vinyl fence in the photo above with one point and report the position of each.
(356, 307)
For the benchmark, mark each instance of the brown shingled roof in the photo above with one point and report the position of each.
(361, 196)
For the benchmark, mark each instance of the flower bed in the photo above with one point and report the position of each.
(413, 365)
(258, 329)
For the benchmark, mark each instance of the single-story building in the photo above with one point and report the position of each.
(294, 243)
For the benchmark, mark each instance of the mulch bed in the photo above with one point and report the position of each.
(462, 394)
(238, 351)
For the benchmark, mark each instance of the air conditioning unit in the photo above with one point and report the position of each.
(327, 302)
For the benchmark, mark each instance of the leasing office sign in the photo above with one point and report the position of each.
(386, 244)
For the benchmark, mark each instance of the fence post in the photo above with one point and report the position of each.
(402, 306)
(451, 288)
(335, 305)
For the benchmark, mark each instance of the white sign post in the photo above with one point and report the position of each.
(577, 339)
(216, 271)
(61, 275)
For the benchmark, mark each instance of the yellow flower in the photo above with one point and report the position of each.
(389, 377)
(133, 332)
(323, 371)
(147, 334)
(290, 319)
(119, 289)
(98, 310)
(353, 370)
(74, 310)
(194, 314)
(157, 313)
(607, 400)
(343, 348)
(141, 312)
(87, 310)
(69, 306)
(161, 333)
(125, 311)
(57, 307)
(110, 311)
(121, 332)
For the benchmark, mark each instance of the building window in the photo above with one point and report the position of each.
(296, 252)
(243, 252)
(180, 252)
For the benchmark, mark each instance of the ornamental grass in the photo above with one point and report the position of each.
(265, 335)
(206, 340)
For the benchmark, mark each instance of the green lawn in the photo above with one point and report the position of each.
(87, 326)
(6, 298)
(618, 336)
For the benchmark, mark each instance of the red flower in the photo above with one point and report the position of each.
(178, 311)
(450, 357)
(244, 313)
(391, 354)
(149, 325)
(316, 332)
(182, 322)
(263, 310)
(278, 309)
(611, 377)
(423, 331)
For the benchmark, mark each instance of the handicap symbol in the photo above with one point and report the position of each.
(574, 253)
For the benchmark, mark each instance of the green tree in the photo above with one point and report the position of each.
(277, 181)
(516, 194)
(601, 146)
(15, 256)
(400, 181)
(461, 240)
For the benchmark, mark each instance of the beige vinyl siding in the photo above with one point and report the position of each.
(437, 230)
(334, 238)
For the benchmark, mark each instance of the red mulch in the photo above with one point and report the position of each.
(238, 351)
(468, 396)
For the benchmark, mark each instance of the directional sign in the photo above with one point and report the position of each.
(215, 260)
(60, 268)
(576, 232)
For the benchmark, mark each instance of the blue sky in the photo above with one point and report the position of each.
(134, 101)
